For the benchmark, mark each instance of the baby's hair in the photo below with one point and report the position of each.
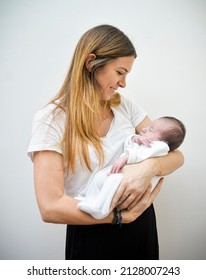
(175, 136)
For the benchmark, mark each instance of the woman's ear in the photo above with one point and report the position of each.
(91, 57)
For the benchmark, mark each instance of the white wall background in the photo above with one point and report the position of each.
(37, 40)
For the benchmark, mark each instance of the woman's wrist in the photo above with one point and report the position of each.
(117, 217)
(165, 165)
(155, 166)
(106, 220)
(150, 167)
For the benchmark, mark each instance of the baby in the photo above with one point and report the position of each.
(161, 136)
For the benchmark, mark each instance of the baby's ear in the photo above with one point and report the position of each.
(91, 57)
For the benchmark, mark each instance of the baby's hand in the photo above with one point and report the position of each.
(119, 163)
(139, 139)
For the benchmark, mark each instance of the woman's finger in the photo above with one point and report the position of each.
(135, 201)
(126, 200)
(154, 193)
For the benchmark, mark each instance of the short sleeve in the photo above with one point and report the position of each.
(134, 112)
(47, 131)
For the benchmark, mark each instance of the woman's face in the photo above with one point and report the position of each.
(112, 75)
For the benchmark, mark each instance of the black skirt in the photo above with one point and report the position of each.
(134, 241)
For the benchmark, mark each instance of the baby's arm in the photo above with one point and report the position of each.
(123, 160)
(119, 163)
(139, 139)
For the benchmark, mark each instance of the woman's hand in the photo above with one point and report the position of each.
(136, 180)
(146, 200)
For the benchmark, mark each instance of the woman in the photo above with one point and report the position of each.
(83, 130)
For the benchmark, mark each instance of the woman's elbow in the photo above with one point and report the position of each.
(181, 158)
(47, 214)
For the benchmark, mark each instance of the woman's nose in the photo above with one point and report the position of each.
(122, 83)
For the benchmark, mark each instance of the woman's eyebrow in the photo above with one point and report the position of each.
(123, 69)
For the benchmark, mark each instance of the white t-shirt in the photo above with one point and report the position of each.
(48, 130)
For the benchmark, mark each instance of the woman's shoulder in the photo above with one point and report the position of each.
(126, 101)
(128, 105)
(131, 110)
(51, 112)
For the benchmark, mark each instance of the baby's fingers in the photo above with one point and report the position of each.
(147, 142)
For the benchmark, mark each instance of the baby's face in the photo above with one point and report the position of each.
(156, 129)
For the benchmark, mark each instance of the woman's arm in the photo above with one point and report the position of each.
(54, 205)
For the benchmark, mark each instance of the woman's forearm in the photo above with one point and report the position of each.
(165, 165)
(169, 163)
(65, 211)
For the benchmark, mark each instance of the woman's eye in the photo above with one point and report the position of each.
(119, 73)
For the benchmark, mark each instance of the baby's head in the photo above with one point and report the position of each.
(167, 129)
(175, 134)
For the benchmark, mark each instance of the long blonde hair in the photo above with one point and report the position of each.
(79, 96)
